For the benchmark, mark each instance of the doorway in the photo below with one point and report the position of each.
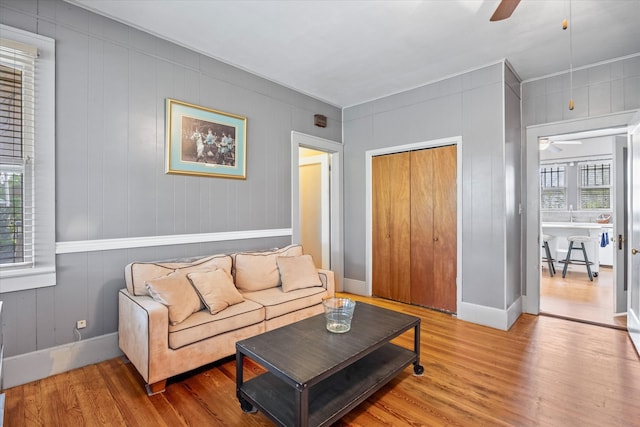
(615, 123)
(329, 201)
(582, 194)
(315, 207)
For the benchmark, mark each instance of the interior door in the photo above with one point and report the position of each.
(620, 224)
(391, 234)
(633, 311)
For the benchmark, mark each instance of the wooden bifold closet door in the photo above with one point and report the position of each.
(391, 223)
(414, 218)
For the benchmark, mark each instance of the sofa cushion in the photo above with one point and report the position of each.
(175, 291)
(255, 271)
(203, 325)
(137, 273)
(215, 289)
(297, 272)
(278, 303)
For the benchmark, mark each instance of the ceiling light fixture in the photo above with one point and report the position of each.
(543, 144)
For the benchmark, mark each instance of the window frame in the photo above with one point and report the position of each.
(42, 271)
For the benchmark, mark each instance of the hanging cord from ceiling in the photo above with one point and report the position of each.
(566, 24)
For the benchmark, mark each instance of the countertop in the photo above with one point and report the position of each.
(582, 225)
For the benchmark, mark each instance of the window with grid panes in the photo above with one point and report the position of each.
(594, 185)
(553, 187)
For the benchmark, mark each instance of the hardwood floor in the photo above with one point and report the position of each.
(544, 371)
(575, 297)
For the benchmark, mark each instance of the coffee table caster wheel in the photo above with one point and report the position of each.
(595, 274)
(247, 407)
(418, 369)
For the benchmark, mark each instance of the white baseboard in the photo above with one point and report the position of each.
(357, 287)
(634, 332)
(489, 316)
(28, 367)
(513, 312)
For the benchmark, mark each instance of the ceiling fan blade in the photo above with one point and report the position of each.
(504, 10)
(554, 148)
(567, 142)
(547, 144)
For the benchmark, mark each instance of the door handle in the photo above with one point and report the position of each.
(634, 251)
(620, 240)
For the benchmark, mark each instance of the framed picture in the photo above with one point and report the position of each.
(205, 142)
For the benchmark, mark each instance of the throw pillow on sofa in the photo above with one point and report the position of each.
(297, 272)
(137, 273)
(255, 271)
(216, 289)
(175, 291)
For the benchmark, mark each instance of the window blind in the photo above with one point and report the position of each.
(17, 147)
(553, 193)
(595, 185)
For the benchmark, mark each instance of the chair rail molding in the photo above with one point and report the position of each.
(177, 239)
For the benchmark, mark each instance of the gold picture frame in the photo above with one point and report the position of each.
(205, 142)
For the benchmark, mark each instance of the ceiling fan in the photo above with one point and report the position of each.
(552, 144)
(504, 10)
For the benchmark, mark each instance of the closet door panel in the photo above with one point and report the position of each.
(391, 226)
(380, 245)
(445, 228)
(422, 237)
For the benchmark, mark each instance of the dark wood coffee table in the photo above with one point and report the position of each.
(314, 377)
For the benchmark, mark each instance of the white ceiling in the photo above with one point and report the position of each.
(347, 52)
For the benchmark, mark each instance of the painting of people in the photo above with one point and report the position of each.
(203, 141)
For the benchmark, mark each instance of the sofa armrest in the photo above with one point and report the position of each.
(143, 332)
(328, 281)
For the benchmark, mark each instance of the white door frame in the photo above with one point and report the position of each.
(531, 220)
(457, 141)
(633, 292)
(336, 153)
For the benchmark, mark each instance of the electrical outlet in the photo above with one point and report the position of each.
(80, 324)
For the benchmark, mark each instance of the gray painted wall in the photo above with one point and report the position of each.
(598, 90)
(470, 105)
(111, 86)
